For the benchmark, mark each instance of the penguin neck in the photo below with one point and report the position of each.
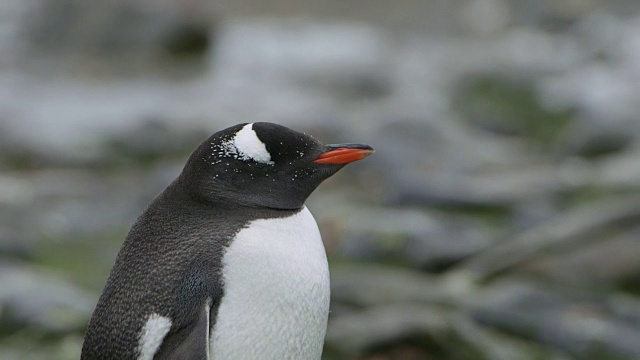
(217, 194)
(179, 194)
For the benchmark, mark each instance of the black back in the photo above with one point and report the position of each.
(171, 260)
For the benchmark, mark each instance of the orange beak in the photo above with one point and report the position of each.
(340, 154)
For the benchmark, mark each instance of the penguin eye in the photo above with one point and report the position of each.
(246, 146)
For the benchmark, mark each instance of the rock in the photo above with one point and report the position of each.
(23, 346)
(625, 307)
(360, 332)
(29, 297)
(148, 142)
(188, 40)
(16, 196)
(427, 241)
(372, 285)
(620, 171)
(607, 261)
(601, 90)
(485, 17)
(69, 122)
(106, 33)
(71, 206)
(509, 107)
(577, 325)
(494, 190)
(496, 345)
(561, 232)
(294, 50)
(433, 163)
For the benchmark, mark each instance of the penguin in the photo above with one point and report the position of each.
(227, 262)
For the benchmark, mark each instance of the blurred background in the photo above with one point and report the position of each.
(499, 218)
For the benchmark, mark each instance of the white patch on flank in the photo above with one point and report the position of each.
(207, 310)
(247, 146)
(152, 335)
(276, 295)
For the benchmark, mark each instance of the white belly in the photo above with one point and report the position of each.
(276, 295)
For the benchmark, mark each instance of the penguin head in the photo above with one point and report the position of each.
(264, 165)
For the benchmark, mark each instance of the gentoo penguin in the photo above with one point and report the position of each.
(227, 262)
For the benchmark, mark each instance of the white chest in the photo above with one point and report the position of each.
(276, 298)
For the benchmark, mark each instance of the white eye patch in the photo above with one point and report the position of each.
(246, 145)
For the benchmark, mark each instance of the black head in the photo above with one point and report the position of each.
(264, 165)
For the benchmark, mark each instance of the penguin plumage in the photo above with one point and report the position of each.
(226, 262)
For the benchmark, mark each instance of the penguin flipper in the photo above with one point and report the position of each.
(190, 342)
